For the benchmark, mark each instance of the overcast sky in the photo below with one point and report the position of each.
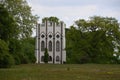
(71, 10)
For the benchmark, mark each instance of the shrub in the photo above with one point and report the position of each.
(6, 60)
(46, 55)
(17, 59)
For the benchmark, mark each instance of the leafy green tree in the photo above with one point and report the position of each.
(6, 60)
(94, 40)
(21, 12)
(28, 49)
(46, 56)
(51, 19)
(15, 49)
(75, 41)
(23, 50)
(16, 23)
(104, 32)
(7, 32)
(8, 29)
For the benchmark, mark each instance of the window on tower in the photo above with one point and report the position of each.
(42, 36)
(57, 36)
(57, 58)
(42, 58)
(42, 45)
(57, 46)
(50, 45)
(50, 36)
(50, 58)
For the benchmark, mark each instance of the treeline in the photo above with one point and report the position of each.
(16, 24)
(96, 40)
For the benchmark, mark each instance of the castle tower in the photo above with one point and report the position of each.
(51, 36)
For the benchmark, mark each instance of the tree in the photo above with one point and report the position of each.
(23, 50)
(28, 49)
(46, 56)
(8, 31)
(94, 40)
(15, 49)
(7, 25)
(51, 19)
(6, 60)
(16, 24)
(21, 12)
(76, 44)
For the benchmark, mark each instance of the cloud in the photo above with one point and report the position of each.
(65, 13)
(71, 10)
(74, 2)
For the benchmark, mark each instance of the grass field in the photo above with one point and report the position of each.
(62, 72)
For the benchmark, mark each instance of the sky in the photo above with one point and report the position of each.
(72, 10)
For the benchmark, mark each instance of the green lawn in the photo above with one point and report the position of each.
(62, 72)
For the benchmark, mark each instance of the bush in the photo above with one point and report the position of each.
(28, 46)
(23, 58)
(6, 61)
(17, 59)
(46, 55)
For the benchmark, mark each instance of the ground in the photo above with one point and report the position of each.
(62, 72)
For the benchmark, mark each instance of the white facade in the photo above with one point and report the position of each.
(51, 36)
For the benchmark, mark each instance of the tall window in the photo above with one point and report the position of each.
(57, 58)
(57, 46)
(50, 45)
(42, 45)
(50, 58)
(42, 58)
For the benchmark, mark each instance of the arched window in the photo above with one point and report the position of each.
(42, 58)
(50, 45)
(57, 58)
(50, 58)
(42, 45)
(57, 46)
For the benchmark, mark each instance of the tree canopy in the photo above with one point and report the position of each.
(93, 40)
(7, 25)
(21, 12)
(16, 24)
(51, 19)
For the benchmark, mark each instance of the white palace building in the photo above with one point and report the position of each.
(51, 36)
